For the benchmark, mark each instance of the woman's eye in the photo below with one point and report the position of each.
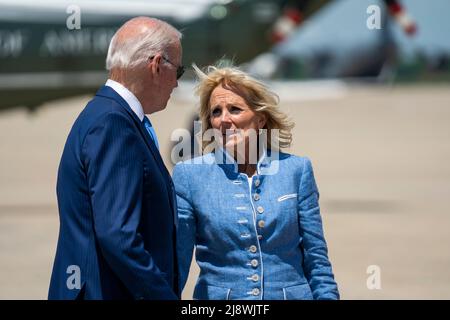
(215, 112)
(235, 109)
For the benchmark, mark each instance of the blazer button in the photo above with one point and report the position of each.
(256, 197)
(254, 263)
(257, 182)
(253, 248)
(261, 223)
(255, 291)
(260, 209)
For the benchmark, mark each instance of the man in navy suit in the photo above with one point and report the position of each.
(116, 199)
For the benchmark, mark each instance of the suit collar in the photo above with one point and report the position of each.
(128, 96)
(108, 92)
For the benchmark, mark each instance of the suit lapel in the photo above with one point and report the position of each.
(108, 92)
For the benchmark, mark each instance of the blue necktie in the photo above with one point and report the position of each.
(151, 131)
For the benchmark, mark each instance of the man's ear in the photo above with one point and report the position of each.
(155, 64)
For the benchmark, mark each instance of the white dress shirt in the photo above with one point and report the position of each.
(128, 96)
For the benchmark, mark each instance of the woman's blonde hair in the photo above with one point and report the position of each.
(256, 94)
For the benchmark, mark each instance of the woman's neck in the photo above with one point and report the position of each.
(246, 163)
(247, 168)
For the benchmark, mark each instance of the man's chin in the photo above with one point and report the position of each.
(161, 107)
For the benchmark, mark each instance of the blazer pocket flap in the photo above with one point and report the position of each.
(287, 196)
(209, 292)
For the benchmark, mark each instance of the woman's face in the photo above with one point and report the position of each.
(233, 117)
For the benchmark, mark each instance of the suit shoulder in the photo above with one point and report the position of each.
(102, 114)
(101, 111)
(99, 107)
(96, 108)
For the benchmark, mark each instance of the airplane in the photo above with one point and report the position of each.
(337, 42)
(51, 49)
(56, 48)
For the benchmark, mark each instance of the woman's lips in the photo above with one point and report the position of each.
(229, 132)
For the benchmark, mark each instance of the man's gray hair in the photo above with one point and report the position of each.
(132, 52)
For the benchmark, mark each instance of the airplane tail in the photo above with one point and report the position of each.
(407, 23)
(286, 24)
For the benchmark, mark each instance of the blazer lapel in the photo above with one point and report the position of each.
(108, 92)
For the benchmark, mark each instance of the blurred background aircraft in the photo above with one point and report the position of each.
(45, 55)
(411, 42)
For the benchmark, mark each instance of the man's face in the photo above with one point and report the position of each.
(167, 75)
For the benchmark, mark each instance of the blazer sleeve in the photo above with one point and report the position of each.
(114, 163)
(316, 264)
(187, 225)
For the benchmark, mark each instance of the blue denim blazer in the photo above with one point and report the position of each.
(258, 241)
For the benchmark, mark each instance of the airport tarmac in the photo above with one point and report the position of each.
(381, 157)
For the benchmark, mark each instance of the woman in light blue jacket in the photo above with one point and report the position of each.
(251, 211)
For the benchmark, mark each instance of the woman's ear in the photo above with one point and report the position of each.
(261, 120)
